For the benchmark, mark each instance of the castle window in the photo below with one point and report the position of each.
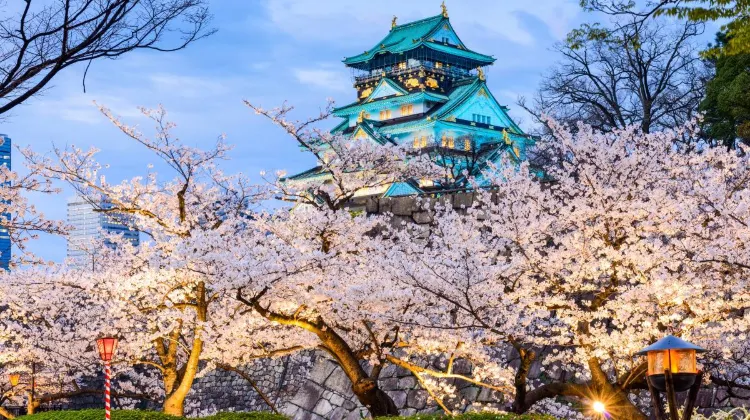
(385, 114)
(446, 40)
(483, 119)
(401, 66)
(420, 142)
(467, 144)
(448, 142)
(407, 110)
(438, 65)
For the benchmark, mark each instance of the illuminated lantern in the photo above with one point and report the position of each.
(673, 355)
(14, 378)
(107, 347)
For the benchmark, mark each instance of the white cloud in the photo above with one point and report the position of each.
(346, 22)
(324, 78)
(186, 86)
(80, 107)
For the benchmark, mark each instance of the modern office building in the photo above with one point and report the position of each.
(5, 246)
(89, 228)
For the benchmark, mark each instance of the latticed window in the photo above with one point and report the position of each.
(401, 66)
(448, 142)
(467, 144)
(438, 65)
(420, 142)
(407, 110)
(385, 114)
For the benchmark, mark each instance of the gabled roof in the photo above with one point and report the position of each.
(384, 88)
(399, 189)
(414, 35)
(368, 128)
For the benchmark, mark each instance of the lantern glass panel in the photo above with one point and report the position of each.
(683, 361)
(106, 347)
(14, 378)
(658, 361)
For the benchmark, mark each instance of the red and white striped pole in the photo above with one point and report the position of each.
(107, 390)
(107, 347)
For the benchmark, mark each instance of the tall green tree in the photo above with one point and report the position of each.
(735, 12)
(726, 106)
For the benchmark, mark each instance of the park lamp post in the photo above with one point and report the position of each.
(107, 347)
(672, 368)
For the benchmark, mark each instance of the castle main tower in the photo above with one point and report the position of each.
(421, 85)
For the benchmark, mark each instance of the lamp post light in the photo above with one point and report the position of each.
(107, 347)
(14, 379)
(672, 368)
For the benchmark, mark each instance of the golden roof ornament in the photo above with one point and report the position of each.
(445, 9)
(361, 116)
(393, 22)
(480, 73)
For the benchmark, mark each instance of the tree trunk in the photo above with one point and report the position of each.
(364, 386)
(376, 400)
(174, 404)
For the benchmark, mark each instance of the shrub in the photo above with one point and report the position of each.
(244, 416)
(142, 415)
(99, 415)
(473, 416)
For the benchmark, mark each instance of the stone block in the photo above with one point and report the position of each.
(422, 217)
(389, 384)
(403, 206)
(463, 200)
(339, 382)
(408, 382)
(338, 413)
(385, 205)
(371, 205)
(322, 370)
(323, 407)
(336, 400)
(705, 398)
(308, 395)
(399, 398)
(469, 394)
(417, 399)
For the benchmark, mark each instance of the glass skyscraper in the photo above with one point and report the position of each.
(89, 227)
(5, 251)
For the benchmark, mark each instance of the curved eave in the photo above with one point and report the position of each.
(480, 59)
(390, 100)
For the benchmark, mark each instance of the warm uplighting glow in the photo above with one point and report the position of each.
(674, 360)
(14, 378)
(106, 347)
(599, 407)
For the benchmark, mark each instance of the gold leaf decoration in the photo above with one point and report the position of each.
(432, 83)
(411, 83)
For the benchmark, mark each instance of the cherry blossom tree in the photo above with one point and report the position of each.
(627, 238)
(159, 296)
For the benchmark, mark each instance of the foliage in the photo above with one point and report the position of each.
(473, 416)
(143, 415)
(95, 414)
(245, 416)
(646, 74)
(726, 107)
(737, 12)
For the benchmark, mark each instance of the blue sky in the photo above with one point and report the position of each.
(269, 51)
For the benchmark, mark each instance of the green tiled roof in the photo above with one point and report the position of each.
(449, 49)
(394, 100)
(413, 35)
(400, 189)
(313, 173)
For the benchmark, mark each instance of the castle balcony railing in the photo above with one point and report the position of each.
(374, 75)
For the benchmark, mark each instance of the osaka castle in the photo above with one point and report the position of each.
(423, 87)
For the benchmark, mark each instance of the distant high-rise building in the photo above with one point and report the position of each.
(5, 251)
(89, 227)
